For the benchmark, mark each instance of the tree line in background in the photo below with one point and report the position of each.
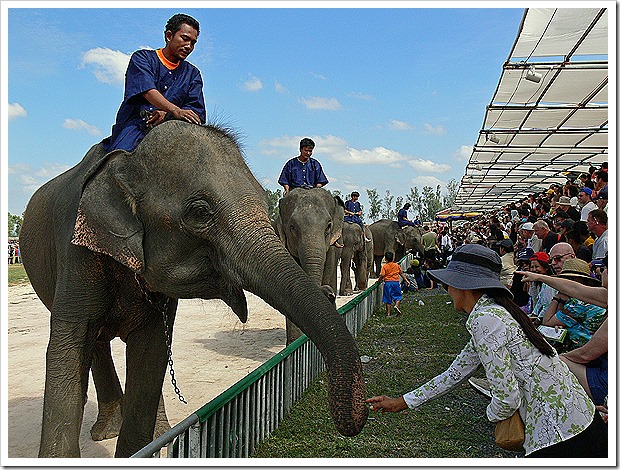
(424, 205)
(15, 224)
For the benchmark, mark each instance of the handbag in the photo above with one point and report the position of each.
(510, 433)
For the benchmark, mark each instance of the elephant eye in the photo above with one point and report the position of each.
(328, 229)
(198, 214)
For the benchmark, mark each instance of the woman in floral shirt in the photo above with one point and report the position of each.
(524, 371)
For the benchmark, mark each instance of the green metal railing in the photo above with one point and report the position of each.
(233, 423)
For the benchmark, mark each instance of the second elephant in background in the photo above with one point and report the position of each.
(388, 236)
(309, 224)
(357, 253)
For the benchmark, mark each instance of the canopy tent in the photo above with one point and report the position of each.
(549, 113)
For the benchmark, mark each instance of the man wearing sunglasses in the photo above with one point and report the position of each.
(558, 255)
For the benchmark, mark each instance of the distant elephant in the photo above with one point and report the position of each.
(388, 236)
(357, 254)
(113, 243)
(309, 224)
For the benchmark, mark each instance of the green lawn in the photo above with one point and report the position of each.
(406, 351)
(17, 274)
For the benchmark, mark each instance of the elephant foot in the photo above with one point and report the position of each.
(108, 423)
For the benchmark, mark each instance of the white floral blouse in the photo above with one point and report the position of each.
(552, 403)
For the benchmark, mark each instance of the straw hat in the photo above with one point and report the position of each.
(472, 266)
(578, 270)
(565, 201)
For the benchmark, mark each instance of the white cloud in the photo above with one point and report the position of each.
(463, 153)
(280, 88)
(317, 102)
(337, 149)
(396, 125)
(428, 166)
(16, 110)
(318, 75)
(78, 125)
(30, 181)
(436, 130)
(362, 96)
(109, 66)
(253, 84)
(433, 182)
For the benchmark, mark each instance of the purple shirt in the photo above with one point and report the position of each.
(181, 86)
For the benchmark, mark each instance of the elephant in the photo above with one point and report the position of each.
(309, 224)
(113, 243)
(357, 253)
(388, 236)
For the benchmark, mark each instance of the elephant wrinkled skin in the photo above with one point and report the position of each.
(182, 216)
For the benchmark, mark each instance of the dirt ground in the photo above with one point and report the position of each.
(211, 349)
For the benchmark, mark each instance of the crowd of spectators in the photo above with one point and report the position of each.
(556, 235)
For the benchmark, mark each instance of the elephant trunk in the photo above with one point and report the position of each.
(304, 303)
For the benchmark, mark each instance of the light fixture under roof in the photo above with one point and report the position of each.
(532, 75)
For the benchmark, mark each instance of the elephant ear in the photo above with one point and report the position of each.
(280, 230)
(400, 237)
(338, 220)
(105, 220)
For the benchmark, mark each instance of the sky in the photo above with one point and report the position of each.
(393, 93)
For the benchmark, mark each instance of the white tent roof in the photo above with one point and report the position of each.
(533, 132)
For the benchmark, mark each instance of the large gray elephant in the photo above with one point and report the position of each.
(309, 224)
(357, 254)
(388, 236)
(113, 243)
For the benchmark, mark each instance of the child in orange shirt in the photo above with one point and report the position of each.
(392, 293)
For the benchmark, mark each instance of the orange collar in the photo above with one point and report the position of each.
(169, 65)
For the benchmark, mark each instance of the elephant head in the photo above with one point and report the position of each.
(410, 238)
(184, 212)
(310, 222)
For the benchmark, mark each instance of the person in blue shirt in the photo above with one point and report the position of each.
(402, 216)
(353, 212)
(160, 85)
(302, 171)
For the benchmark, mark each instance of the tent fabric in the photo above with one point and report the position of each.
(536, 131)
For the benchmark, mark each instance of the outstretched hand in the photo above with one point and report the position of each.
(529, 276)
(383, 403)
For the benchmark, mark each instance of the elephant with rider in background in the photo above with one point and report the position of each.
(113, 243)
(388, 236)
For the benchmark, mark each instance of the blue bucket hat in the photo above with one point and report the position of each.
(472, 266)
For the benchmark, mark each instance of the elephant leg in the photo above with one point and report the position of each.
(68, 359)
(146, 358)
(161, 424)
(292, 332)
(109, 394)
(345, 275)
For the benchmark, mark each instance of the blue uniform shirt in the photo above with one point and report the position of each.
(302, 175)
(353, 207)
(402, 215)
(181, 86)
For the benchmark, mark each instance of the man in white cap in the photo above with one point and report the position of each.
(526, 233)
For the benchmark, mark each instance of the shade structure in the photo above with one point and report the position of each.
(549, 114)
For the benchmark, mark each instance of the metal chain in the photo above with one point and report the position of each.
(168, 337)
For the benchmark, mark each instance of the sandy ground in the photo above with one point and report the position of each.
(211, 349)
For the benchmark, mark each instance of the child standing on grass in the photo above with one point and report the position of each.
(392, 293)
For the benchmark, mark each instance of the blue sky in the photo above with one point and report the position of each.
(393, 97)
